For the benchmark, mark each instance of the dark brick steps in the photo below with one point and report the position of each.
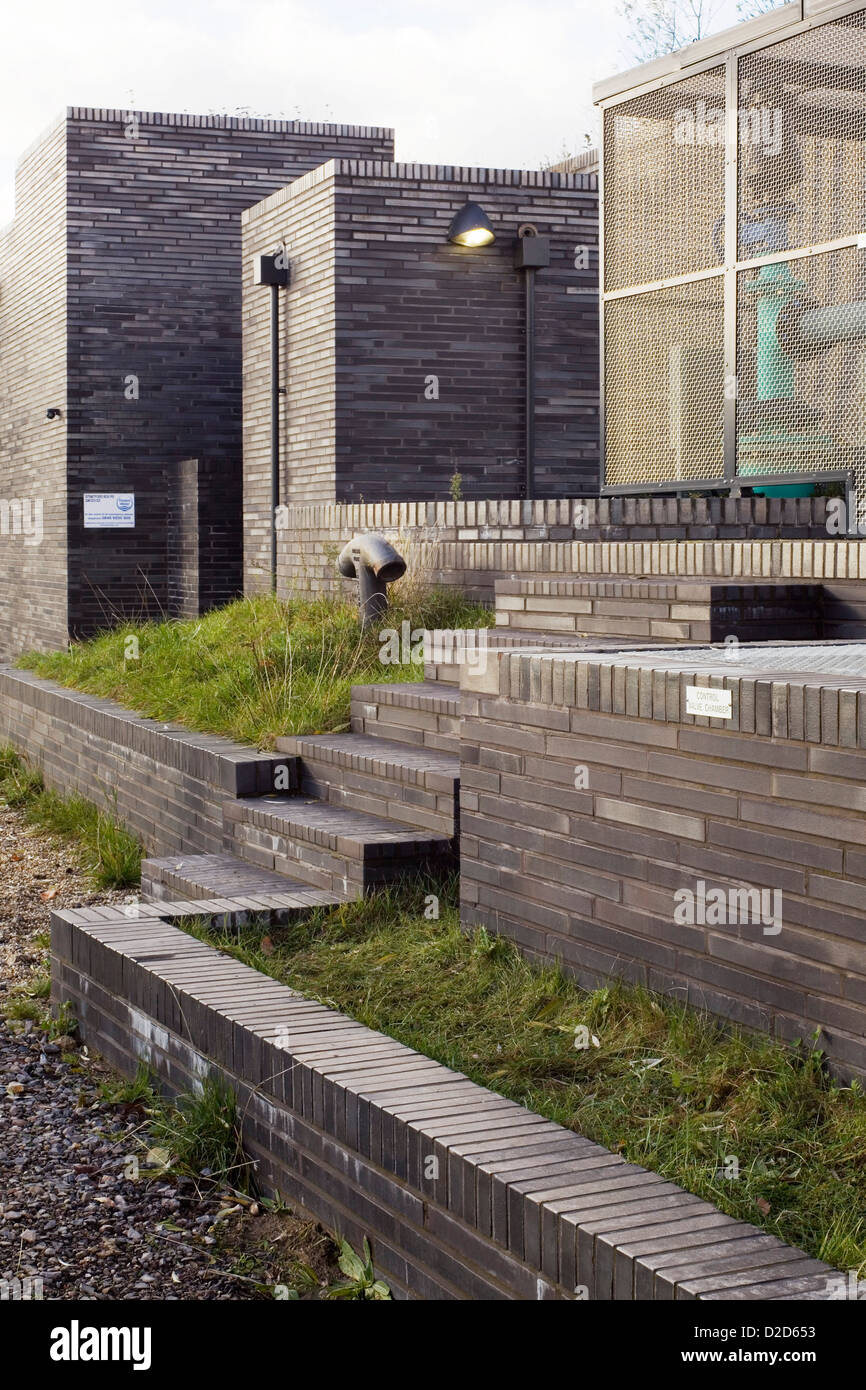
(414, 786)
(500, 638)
(423, 714)
(383, 808)
(341, 850)
(203, 877)
(669, 611)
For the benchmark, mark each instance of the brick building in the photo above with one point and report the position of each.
(403, 356)
(120, 312)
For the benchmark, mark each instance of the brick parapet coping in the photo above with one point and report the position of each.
(463, 1193)
(428, 174)
(824, 708)
(576, 515)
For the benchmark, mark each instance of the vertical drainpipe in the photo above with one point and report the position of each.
(531, 253)
(275, 427)
(273, 270)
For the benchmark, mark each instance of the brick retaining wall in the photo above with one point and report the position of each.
(589, 798)
(463, 1194)
(164, 782)
(469, 545)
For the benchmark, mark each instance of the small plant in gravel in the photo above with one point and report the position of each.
(361, 1282)
(121, 1090)
(39, 986)
(201, 1138)
(20, 1007)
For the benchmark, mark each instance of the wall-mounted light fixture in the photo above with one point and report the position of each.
(52, 413)
(273, 270)
(471, 227)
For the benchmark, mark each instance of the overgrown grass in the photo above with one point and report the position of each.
(666, 1086)
(109, 854)
(200, 1136)
(255, 669)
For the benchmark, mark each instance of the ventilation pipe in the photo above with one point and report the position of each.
(375, 563)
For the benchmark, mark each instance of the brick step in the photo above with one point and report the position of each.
(676, 611)
(335, 848)
(500, 638)
(424, 714)
(419, 787)
(251, 891)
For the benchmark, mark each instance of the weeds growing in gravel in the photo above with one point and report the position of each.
(201, 1136)
(360, 1284)
(20, 1008)
(662, 1084)
(121, 1090)
(110, 855)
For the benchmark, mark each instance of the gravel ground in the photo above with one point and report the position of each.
(69, 1214)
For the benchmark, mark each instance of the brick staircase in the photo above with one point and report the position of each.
(369, 808)
(626, 610)
(372, 806)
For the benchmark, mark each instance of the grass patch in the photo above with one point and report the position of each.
(122, 1090)
(253, 670)
(21, 1007)
(666, 1086)
(109, 854)
(199, 1136)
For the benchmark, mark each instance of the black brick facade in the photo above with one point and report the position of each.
(143, 218)
(380, 304)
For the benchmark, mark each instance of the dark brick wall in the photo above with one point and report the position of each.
(32, 380)
(182, 542)
(410, 305)
(166, 784)
(144, 224)
(302, 218)
(379, 302)
(584, 870)
(155, 291)
(470, 545)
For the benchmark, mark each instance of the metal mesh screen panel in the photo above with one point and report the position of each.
(802, 139)
(664, 162)
(664, 384)
(801, 366)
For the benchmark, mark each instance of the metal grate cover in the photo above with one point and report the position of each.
(787, 319)
(664, 181)
(801, 368)
(802, 139)
(664, 384)
(833, 660)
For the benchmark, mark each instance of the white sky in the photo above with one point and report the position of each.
(505, 83)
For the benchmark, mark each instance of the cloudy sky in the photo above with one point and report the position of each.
(493, 82)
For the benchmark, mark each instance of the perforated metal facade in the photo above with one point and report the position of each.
(734, 261)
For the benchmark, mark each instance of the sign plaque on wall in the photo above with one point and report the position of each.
(105, 511)
(709, 703)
